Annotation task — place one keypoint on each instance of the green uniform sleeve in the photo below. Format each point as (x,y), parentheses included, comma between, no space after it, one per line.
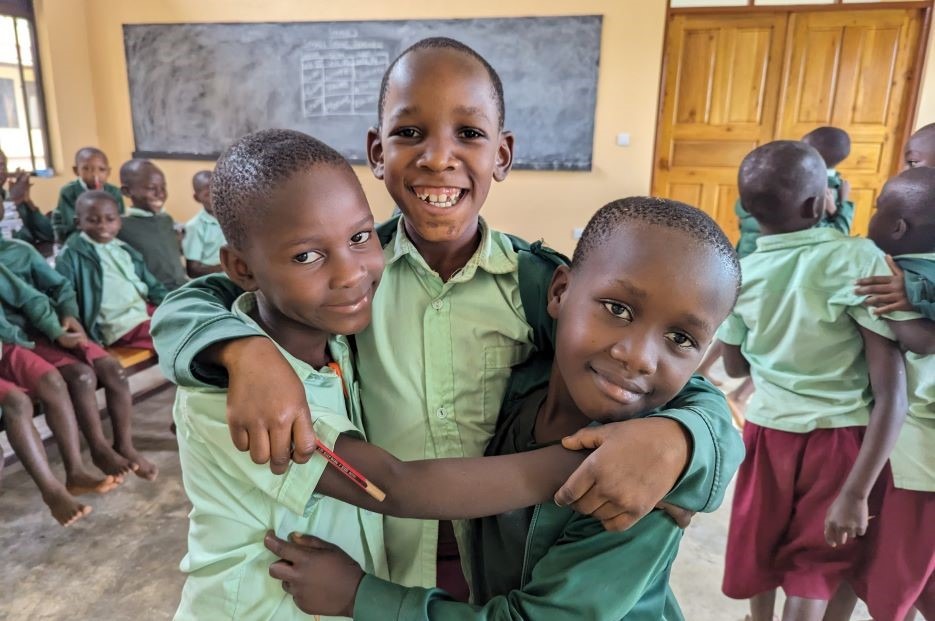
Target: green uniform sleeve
(53,284)
(31,302)
(63,218)
(35,224)
(921,294)
(191,319)
(593,574)
(717,448)
(842,220)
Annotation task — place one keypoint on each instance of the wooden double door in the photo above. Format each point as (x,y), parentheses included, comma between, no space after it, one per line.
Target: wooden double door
(732,82)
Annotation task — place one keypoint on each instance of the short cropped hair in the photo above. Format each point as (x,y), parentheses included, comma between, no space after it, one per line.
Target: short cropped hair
(85,152)
(89,197)
(659,212)
(131,169)
(251,169)
(779,176)
(434,43)
(832,143)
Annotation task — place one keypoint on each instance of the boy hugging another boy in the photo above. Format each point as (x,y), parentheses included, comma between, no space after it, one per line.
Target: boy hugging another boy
(92,170)
(113,286)
(203,238)
(146,226)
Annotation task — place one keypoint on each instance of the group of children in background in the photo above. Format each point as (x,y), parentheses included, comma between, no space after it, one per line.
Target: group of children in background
(111,270)
(329,329)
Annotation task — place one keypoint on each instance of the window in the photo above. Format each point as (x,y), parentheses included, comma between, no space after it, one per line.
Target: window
(23,135)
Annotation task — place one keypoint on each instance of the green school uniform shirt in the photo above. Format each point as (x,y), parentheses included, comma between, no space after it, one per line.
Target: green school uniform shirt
(203,239)
(36,226)
(19,298)
(913,456)
(796,324)
(234,501)
(28,265)
(434,366)
(545,562)
(840,221)
(63,217)
(153,235)
(123,294)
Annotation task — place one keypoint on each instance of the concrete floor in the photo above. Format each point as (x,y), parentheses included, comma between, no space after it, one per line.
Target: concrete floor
(121,562)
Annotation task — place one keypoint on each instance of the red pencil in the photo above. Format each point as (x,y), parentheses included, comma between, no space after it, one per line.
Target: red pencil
(347,470)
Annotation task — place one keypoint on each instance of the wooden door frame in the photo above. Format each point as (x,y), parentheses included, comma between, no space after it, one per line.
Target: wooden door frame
(920,57)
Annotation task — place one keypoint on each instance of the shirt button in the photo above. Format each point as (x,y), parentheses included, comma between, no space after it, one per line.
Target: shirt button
(437,304)
(441,413)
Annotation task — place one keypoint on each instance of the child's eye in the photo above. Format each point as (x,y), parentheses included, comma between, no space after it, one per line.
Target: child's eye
(361,238)
(307,258)
(912,163)
(618,310)
(406,132)
(681,340)
(470,133)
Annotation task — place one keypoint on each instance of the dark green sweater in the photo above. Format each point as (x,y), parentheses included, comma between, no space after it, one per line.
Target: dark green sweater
(63,218)
(155,238)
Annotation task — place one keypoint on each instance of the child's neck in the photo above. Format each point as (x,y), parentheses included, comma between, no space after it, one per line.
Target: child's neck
(766,229)
(145,208)
(446,258)
(558,416)
(301,341)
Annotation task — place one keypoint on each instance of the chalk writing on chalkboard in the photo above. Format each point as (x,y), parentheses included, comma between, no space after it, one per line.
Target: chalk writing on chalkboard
(342,76)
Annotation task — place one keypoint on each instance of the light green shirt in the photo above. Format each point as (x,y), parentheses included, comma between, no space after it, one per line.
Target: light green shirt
(123,295)
(796,324)
(436,360)
(139,213)
(203,239)
(234,501)
(913,457)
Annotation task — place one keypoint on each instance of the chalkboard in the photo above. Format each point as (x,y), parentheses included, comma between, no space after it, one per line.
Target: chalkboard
(195,88)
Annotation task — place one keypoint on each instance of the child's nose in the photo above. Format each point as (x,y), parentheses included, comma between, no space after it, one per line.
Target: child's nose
(347,274)
(438,155)
(637,354)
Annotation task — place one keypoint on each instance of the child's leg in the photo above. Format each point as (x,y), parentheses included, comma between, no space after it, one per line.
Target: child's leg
(842,604)
(138,337)
(801,609)
(26,443)
(762,606)
(120,407)
(713,354)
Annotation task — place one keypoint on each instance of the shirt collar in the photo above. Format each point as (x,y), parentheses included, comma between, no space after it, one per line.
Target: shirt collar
(807,237)
(245,306)
(204,215)
(494,253)
(112,244)
(831,173)
(925,256)
(84,186)
(139,213)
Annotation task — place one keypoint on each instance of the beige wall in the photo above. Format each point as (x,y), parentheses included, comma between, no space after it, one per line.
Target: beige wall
(81,48)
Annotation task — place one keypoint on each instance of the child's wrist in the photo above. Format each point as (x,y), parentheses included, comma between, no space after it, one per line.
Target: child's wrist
(239,352)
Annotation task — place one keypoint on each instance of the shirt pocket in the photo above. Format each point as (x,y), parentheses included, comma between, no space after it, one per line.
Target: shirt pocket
(499,361)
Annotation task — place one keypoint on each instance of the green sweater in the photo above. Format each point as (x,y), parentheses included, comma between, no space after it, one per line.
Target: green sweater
(548,562)
(155,238)
(919,275)
(18,297)
(80,264)
(63,218)
(36,226)
(750,228)
(28,265)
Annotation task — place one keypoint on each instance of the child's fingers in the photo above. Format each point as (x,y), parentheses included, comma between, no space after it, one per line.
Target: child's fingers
(585,439)
(875,289)
(889,308)
(311,541)
(240,437)
(578,484)
(303,439)
(873,280)
(259,444)
(282,570)
(280,449)
(892,263)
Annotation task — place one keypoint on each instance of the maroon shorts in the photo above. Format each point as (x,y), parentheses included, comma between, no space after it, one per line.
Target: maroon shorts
(784,488)
(61,357)
(449,575)
(899,562)
(138,337)
(21,369)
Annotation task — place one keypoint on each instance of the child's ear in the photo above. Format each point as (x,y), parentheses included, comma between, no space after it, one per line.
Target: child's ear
(557,289)
(900,228)
(237,268)
(504,156)
(74,169)
(813,208)
(375,152)
(125,190)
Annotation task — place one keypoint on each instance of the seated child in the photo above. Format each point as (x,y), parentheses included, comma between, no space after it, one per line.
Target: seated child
(900,569)
(203,238)
(114,288)
(91,169)
(920,149)
(82,364)
(23,375)
(146,226)
(834,145)
(649,282)
(310,254)
(36,226)
(823,366)
(463,304)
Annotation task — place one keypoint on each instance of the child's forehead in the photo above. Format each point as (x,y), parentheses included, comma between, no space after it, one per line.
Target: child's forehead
(97,206)
(93,159)
(438,69)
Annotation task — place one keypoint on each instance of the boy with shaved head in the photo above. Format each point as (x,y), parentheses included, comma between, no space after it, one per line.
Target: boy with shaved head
(91,171)
(146,226)
(203,238)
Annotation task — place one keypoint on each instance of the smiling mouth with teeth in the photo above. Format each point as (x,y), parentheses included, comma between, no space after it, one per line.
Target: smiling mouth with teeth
(439,197)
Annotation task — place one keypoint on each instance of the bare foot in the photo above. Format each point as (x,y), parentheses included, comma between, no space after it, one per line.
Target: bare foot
(111,462)
(78,483)
(144,469)
(65,509)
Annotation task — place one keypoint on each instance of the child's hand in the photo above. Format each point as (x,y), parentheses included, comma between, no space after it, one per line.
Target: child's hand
(321,578)
(682,517)
(71,324)
(847,519)
(267,410)
(19,187)
(71,340)
(635,465)
(886,294)
(831,208)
